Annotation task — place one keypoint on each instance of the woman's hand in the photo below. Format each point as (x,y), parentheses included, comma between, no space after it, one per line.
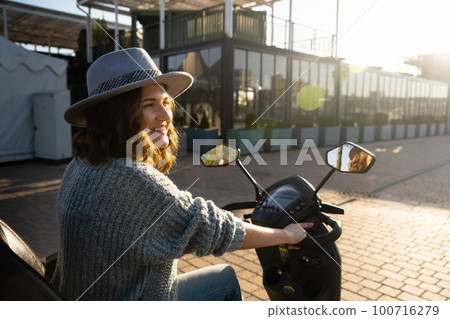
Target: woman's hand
(295,233)
(258,237)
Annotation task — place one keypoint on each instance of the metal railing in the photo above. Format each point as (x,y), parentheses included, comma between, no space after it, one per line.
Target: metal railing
(249,25)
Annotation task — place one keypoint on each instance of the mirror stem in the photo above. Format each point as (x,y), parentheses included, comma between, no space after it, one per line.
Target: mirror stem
(250,177)
(325,179)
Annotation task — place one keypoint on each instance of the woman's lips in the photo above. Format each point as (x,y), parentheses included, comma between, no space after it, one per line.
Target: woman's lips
(160,129)
(159,136)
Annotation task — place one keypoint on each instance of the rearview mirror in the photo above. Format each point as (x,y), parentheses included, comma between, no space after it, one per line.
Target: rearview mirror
(350,158)
(220,155)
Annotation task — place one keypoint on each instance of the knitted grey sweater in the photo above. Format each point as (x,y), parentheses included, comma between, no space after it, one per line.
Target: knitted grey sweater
(133,223)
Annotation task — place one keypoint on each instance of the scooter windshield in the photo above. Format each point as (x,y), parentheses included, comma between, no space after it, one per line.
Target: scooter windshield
(283,197)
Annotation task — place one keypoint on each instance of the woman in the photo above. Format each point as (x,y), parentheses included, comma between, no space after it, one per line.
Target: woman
(122,222)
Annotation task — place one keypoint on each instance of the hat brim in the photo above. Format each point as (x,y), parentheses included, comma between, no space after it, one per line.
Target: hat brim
(175,83)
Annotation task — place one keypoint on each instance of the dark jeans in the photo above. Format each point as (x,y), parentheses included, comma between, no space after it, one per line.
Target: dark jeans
(213,283)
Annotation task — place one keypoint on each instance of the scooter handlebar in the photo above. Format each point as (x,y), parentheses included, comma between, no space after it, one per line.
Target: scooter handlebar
(324,239)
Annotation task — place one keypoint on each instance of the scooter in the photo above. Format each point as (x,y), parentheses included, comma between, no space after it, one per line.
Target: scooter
(312,272)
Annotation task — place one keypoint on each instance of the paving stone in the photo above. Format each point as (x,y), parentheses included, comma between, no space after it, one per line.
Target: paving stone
(408,273)
(350,296)
(434,297)
(432,288)
(412,282)
(199,262)
(435,267)
(261,294)
(393,283)
(392,275)
(370,294)
(387,290)
(350,286)
(426,271)
(351,277)
(428,279)
(370,284)
(248,286)
(407,265)
(249,297)
(373,276)
(386,298)
(413,290)
(391,267)
(408,297)
(439,275)
(370,268)
(445,292)
(444,284)
(442,263)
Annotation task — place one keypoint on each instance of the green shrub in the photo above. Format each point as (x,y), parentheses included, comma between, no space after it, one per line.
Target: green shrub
(204,122)
(422,119)
(304,120)
(274,123)
(361,119)
(397,121)
(348,122)
(443,119)
(194,121)
(327,120)
(381,119)
(249,120)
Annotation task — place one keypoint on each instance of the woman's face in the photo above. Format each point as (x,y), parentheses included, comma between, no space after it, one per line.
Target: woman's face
(156,107)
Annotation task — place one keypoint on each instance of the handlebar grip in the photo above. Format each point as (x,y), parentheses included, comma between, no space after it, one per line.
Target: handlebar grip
(324,239)
(332,209)
(240,205)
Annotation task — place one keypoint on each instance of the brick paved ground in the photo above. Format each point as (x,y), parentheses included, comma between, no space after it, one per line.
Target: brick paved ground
(395,243)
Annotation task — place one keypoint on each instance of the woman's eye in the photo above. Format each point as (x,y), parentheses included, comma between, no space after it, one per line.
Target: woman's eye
(148,105)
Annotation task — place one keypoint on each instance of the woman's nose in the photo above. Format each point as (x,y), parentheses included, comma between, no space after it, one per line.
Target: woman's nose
(164,113)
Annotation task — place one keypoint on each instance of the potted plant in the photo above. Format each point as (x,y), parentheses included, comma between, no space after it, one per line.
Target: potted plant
(276,129)
(398,129)
(200,130)
(442,125)
(432,131)
(252,134)
(410,128)
(349,131)
(432,126)
(330,132)
(367,128)
(421,125)
(304,129)
(383,131)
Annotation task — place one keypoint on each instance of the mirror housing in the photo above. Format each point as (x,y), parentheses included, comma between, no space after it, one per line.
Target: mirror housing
(221,155)
(349,157)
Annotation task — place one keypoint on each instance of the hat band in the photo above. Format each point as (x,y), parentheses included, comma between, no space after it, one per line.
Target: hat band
(125,79)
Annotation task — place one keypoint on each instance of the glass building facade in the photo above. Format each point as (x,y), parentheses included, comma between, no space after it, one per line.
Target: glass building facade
(204,97)
(259,78)
(366,92)
(239,79)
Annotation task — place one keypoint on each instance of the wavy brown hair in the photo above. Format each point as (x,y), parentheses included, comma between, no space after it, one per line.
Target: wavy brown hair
(112,123)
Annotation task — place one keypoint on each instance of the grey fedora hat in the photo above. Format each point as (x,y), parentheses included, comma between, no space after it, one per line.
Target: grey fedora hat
(122,71)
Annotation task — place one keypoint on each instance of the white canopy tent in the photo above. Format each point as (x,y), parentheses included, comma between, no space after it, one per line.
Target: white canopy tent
(22,74)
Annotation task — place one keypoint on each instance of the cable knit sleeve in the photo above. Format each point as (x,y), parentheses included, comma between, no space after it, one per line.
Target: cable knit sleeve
(172,222)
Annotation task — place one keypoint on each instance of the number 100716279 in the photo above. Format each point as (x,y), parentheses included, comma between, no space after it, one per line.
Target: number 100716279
(405,310)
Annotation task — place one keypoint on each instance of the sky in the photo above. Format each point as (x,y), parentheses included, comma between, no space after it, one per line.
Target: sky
(370,32)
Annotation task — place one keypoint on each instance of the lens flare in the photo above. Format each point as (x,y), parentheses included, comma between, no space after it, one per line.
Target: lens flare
(357,68)
(310,97)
